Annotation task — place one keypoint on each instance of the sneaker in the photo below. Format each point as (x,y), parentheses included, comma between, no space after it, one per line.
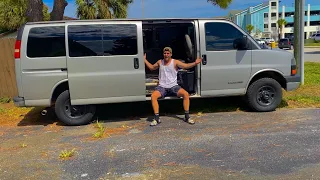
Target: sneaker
(190,121)
(154,122)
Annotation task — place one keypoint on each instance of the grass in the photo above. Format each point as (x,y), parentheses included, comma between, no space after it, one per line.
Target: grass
(307,95)
(23,145)
(312,44)
(66,154)
(100,130)
(4,100)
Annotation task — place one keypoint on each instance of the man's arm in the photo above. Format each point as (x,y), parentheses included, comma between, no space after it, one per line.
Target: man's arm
(152,67)
(188,65)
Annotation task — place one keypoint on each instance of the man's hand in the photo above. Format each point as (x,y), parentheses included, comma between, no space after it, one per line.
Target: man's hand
(145,56)
(198,60)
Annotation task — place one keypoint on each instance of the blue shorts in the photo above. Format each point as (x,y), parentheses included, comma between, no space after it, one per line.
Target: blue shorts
(173,91)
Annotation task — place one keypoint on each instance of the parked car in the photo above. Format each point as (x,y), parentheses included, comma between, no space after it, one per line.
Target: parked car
(267,40)
(77,64)
(285,43)
(261,42)
(315,36)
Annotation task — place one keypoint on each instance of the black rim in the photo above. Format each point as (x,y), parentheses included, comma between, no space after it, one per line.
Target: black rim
(74,112)
(266,95)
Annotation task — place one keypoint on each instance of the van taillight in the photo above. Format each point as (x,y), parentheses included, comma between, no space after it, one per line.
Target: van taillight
(293,70)
(17,49)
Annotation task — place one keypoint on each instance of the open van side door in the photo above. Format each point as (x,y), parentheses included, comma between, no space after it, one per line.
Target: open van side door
(225,70)
(105,62)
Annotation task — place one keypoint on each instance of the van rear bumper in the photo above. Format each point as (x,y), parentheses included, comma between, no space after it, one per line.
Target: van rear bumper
(19,101)
(293,82)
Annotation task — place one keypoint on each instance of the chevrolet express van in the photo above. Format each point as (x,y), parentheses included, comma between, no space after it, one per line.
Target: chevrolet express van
(77,64)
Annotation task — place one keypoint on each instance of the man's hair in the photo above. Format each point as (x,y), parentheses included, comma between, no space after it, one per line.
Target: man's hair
(167,49)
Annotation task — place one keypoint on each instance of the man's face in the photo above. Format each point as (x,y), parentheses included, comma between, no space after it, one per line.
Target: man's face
(166,55)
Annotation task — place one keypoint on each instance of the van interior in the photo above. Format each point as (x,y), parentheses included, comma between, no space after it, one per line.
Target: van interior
(180,36)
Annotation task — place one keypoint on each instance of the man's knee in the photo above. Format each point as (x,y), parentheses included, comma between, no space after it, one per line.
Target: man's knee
(185,95)
(155,95)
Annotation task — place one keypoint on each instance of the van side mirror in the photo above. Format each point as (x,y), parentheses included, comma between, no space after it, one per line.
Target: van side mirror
(241,43)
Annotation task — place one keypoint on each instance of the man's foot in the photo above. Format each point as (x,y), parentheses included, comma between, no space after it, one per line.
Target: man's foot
(189,120)
(155,122)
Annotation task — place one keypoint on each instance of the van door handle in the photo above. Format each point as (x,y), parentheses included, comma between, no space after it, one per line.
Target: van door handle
(204,59)
(136,63)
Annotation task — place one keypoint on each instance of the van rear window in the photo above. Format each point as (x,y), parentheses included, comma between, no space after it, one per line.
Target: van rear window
(46,42)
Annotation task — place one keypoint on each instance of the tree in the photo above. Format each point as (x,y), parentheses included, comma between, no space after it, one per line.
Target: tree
(102,9)
(12,14)
(224,4)
(34,10)
(258,32)
(249,28)
(58,10)
(281,22)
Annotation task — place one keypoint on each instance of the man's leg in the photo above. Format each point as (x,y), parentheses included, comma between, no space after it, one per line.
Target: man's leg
(159,92)
(186,103)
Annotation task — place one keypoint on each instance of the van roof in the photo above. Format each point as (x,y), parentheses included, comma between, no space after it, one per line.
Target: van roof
(137,19)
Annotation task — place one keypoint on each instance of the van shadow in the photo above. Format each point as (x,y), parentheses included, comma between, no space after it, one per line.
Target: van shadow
(34,118)
(136,110)
(170,108)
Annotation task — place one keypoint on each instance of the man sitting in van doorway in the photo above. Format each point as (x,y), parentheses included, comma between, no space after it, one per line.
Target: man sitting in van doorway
(168,83)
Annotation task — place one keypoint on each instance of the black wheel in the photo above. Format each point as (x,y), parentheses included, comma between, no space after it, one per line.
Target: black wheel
(264,95)
(73,115)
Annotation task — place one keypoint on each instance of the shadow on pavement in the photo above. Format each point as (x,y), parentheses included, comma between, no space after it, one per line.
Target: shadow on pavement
(34,117)
(312,52)
(136,110)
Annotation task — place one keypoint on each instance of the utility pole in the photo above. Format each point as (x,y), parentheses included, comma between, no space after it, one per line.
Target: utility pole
(302,13)
(299,36)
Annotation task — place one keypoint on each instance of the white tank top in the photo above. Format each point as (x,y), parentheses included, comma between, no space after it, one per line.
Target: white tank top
(167,75)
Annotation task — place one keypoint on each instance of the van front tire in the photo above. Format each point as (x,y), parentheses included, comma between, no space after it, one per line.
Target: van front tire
(264,95)
(73,115)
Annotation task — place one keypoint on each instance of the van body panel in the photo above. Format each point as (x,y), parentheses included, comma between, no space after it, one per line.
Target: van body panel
(226,69)
(18,75)
(40,74)
(106,78)
(265,59)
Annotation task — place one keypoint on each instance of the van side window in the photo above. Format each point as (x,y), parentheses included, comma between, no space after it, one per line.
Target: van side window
(220,36)
(46,42)
(119,39)
(85,40)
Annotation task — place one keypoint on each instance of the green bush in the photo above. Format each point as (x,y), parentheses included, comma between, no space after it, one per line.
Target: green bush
(309,41)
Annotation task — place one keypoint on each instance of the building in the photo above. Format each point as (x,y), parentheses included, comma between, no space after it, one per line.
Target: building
(264,17)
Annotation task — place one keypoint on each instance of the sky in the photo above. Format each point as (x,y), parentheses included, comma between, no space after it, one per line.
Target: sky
(179,8)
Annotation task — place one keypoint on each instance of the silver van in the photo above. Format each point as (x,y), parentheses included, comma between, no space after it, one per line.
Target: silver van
(75,65)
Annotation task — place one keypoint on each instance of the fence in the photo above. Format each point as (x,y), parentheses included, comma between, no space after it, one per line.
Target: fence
(8,87)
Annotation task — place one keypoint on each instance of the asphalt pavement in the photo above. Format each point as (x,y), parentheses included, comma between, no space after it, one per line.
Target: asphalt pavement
(284,144)
(311,54)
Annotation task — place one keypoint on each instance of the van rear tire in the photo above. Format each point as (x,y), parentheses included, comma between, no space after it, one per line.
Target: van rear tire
(264,95)
(73,115)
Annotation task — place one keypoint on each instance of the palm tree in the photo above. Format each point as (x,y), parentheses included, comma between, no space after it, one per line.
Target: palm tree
(250,28)
(281,22)
(102,9)
(224,4)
